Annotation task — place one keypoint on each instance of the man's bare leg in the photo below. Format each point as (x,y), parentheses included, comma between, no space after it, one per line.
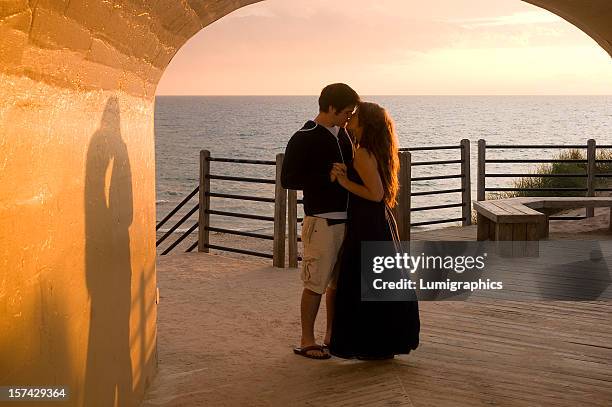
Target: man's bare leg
(330,299)
(309,309)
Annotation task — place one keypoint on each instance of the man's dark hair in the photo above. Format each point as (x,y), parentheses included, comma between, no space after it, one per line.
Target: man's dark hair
(339,96)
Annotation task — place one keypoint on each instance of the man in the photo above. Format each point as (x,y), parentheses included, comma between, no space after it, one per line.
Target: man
(309,158)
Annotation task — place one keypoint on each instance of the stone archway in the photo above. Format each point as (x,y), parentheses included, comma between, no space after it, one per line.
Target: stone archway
(73,74)
(122,45)
(593,19)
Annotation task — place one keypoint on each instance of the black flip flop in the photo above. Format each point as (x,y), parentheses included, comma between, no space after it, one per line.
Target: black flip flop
(304,352)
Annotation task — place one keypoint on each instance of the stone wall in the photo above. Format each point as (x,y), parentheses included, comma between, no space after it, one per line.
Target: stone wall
(77,190)
(594,17)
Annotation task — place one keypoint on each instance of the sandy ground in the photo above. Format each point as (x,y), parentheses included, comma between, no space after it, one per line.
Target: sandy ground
(226,327)
(599,223)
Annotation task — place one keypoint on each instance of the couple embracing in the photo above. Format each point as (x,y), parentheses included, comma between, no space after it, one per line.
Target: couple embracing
(350,184)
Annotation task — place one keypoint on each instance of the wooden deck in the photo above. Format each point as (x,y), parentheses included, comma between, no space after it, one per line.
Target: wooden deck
(226,329)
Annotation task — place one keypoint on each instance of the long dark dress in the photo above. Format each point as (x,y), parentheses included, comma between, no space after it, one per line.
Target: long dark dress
(369,329)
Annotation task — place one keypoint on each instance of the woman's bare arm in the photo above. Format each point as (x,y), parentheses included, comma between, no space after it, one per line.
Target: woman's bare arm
(366,166)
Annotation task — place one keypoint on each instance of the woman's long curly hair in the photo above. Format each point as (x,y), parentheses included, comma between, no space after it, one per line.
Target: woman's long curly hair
(380,139)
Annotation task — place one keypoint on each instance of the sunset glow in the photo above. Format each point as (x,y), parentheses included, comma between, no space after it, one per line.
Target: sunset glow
(390,47)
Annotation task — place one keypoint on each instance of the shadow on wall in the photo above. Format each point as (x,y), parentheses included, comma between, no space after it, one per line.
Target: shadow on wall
(108,216)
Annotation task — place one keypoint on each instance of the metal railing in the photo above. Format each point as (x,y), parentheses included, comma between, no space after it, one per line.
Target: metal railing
(286,203)
(179,223)
(464,188)
(278,218)
(203,225)
(590,172)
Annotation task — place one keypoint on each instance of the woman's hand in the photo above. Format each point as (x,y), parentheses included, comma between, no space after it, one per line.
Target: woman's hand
(340,166)
(339,173)
(366,166)
(332,176)
(337,168)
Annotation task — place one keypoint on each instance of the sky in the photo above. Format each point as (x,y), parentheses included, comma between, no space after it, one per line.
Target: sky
(390,47)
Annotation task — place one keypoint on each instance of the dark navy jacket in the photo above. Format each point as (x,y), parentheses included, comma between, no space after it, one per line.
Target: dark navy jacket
(309,156)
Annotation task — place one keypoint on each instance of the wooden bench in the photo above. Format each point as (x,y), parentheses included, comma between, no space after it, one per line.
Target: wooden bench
(519,218)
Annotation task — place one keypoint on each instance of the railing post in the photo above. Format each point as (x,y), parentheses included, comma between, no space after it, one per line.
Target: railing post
(480,187)
(466,183)
(591,157)
(280,216)
(402,210)
(292,227)
(204,199)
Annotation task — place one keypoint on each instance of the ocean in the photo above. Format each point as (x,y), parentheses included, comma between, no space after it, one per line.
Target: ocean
(258,127)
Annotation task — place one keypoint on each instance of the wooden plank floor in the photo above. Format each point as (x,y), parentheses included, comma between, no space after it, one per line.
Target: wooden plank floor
(226,330)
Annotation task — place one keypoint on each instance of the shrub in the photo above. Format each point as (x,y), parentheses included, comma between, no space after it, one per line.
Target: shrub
(562,182)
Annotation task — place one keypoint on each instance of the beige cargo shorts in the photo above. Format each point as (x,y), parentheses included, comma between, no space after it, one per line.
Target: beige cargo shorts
(322,244)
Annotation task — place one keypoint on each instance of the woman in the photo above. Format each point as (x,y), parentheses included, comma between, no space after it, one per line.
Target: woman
(370,329)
